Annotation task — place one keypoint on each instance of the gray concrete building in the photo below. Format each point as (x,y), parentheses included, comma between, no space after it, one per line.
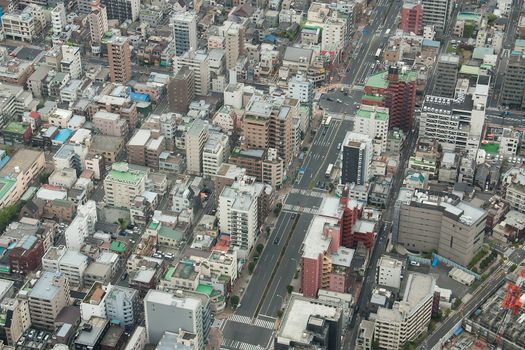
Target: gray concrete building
(512,92)
(446,75)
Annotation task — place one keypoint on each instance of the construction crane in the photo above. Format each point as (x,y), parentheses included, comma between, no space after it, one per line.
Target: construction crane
(512,302)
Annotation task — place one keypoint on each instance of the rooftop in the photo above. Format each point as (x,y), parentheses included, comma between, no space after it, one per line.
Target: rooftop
(46,288)
(373,112)
(23,159)
(121,172)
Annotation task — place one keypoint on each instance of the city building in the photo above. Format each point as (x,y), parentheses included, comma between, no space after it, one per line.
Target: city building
(446,75)
(184,26)
(373,121)
(93,304)
(70,263)
(58,18)
(122,10)
(411,17)
(14,319)
(123,306)
(512,91)
(234,40)
(216,151)
(437,13)
(431,220)
(301,89)
(82,226)
(46,297)
(119,59)
(145,147)
(196,61)
(389,272)
(122,184)
(395,90)
(110,124)
(196,138)
(408,318)
(357,152)
(25,24)
(98,24)
(165,312)
(181,90)
(71,62)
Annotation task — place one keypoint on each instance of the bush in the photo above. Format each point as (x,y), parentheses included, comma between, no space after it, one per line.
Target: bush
(234,301)
(289,289)
(251,267)
(513,267)
(280,313)
(259,248)
(477,258)
(277,209)
(8,214)
(457,303)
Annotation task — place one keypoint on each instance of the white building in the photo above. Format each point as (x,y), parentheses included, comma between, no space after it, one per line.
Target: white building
(196,137)
(408,318)
(373,121)
(301,88)
(81,226)
(24,25)
(71,62)
(197,61)
(58,18)
(71,263)
(333,37)
(184,26)
(123,184)
(94,303)
(216,151)
(389,272)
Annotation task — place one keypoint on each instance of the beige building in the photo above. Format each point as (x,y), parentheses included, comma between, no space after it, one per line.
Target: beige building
(110,124)
(196,137)
(98,23)
(123,184)
(216,151)
(409,318)
(15,316)
(431,220)
(24,25)
(272,169)
(145,147)
(119,58)
(18,173)
(47,297)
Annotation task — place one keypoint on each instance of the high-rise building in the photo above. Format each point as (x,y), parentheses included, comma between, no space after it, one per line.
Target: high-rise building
(181,90)
(431,220)
(82,225)
(197,61)
(437,13)
(145,147)
(122,184)
(58,18)
(409,318)
(165,312)
(123,305)
(184,32)
(512,92)
(446,75)
(411,17)
(302,89)
(122,9)
(233,34)
(216,151)
(357,157)
(47,297)
(71,62)
(395,90)
(98,23)
(196,137)
(119,58)
(373,121)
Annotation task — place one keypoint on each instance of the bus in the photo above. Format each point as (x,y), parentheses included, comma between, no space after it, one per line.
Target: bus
(378,54)
(329,170)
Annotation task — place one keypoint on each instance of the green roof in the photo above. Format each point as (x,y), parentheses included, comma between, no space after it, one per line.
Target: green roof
(119,247)
(169,273)
(372,97)
(6,184)
(368,112)
(469,16)
(153,225)
(204,289)
(490,148)
(380,81)
(170,234)
(469,70)
(15,127)
(121,173)
(29,193)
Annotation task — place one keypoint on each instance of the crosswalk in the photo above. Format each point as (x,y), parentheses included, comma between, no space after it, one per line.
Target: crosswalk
(313,193)
(264,323)
(241,319)
(299,209)
(233,344)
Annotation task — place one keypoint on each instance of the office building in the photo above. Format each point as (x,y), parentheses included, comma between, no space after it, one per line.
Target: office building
(71,62)
(119,59)
(446,75)
(123,306)
(98,24)
(145,147)
(216,151)
(122,9)
(196,61)
(181,90)
(302,89)
(395,90)
(357,152)
(411,17)
(373,121)
(184,32)
(165,312)
(389,272)
(437,13)
(46,297)
(408,318)
(431,220)
(196,137)
(82,225)
(310,323)
(512,92)
(122,184)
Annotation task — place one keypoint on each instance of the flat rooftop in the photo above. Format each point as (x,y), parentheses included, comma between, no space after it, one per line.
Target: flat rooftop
(23,159)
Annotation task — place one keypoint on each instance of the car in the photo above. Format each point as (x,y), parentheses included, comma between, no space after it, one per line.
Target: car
(339,101)
(415,263)
(329,99)
(318,184)
(276,240)
(169,255)
(338,146)
(132,241)
(124,276)
(324,131)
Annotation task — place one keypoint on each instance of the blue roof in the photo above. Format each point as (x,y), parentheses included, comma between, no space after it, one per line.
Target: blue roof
(431,43)
(271,38)
(63,135)
(136,96)
(4,161)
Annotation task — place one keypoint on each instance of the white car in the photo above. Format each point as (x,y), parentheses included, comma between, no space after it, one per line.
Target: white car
(414,263)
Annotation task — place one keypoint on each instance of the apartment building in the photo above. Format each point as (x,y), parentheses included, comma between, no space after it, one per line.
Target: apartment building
(110,124)
(373,121)
(15,177)
(437,13)
(98,23)
(25,24)
(431,220)
(145,147)
(181,90)
(71,263)
(122,9)
(119,59)
(195,139)
(82,225)
(165,312)
(408,318)
(389,272)
(196,61)
(93,304)
(14,318)
(123,305)
(512,92)
(58,18)
(71,62)
(122,184)
(46,297)
(411,17)
(446,75)
(357,152)
(216,151)
(184,26)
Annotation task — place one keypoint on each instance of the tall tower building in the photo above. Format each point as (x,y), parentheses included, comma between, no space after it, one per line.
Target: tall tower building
(119,58)
(357,157)
(184,32)
(411,17)
(512,93)
(196,137)
(437,13)
(197,61)
(181,90)
(233,43)
(446,75)
(58,18)
(98,23)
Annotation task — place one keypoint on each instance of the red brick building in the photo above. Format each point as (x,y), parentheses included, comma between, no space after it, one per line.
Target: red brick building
(395,90)
(27,255)
(411,17)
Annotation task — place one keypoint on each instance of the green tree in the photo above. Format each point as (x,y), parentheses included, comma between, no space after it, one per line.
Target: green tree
(513,267)
(280,313)
(457,303)
(122,223)
(277,209)
(492,18)
(8,214)
(43,177)
(234,301)
(251,267)
(259,248)
(375,344)
(289,289)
